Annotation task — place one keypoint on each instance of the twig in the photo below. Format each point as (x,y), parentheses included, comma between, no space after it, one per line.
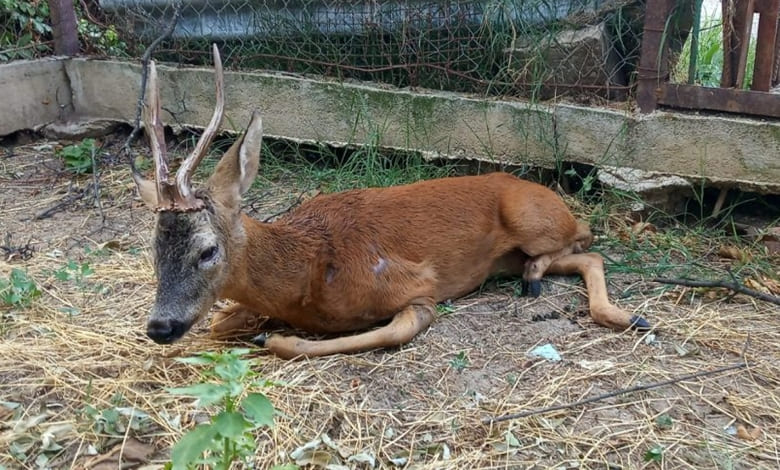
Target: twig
(734,286)
(144,77)
(623,391)
(13,252)
(62,204)
(96,187)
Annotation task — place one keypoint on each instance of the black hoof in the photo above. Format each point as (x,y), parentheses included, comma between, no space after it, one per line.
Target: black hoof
(523,288)
(534,288)
(259,340)
(639,323)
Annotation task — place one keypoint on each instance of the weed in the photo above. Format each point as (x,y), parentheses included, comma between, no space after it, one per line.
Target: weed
(460,361)
(664,421)
(654,454)
(101,40)
(332,169)
(19,290)
(445,308)
(73,271)
(710,57)
(228,436)
(23,27)
(78,157)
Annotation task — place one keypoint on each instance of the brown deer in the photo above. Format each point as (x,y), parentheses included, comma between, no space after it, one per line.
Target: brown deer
(347,261)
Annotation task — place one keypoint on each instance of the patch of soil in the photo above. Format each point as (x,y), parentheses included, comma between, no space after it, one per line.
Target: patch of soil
(81,347)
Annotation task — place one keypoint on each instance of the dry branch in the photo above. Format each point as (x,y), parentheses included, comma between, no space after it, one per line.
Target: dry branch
(144,76)
(731,285)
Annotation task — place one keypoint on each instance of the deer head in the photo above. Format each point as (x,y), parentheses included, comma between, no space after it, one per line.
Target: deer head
(197,230)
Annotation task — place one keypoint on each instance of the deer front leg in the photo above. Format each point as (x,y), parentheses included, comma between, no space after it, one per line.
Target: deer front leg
(235,321)
(404,326)
(591,267)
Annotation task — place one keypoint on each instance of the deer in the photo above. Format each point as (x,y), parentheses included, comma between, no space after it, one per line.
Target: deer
(365,267)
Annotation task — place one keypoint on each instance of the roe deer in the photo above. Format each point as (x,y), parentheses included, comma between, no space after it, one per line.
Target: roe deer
(347,261)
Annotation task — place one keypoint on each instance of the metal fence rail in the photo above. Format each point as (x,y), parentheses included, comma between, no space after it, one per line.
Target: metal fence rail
(733,95)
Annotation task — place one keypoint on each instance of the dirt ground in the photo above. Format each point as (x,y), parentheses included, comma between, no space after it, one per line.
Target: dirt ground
(79,351)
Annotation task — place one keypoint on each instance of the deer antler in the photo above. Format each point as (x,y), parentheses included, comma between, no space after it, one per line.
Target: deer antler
(179,196)
(184,175)
(156,134)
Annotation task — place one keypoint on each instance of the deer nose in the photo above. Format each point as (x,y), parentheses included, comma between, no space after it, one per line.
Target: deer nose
(165,331)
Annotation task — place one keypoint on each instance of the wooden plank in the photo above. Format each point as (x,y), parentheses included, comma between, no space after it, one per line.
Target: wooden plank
(652,62)
(720,99)
(765,43)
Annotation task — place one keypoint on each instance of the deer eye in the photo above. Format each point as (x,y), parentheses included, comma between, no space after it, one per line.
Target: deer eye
(208,254)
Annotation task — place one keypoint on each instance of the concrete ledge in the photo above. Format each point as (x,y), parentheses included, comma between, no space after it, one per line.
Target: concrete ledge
(34,92)
(725,150)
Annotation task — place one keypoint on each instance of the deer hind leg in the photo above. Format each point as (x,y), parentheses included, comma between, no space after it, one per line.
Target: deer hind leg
(535,268)
(403,327)
(591,267)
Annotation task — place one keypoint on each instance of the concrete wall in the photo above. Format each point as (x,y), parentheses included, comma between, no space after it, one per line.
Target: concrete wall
(33,93)
(742,152)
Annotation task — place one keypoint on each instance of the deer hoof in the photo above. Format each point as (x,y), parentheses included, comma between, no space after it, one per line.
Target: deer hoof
(531,288)
(638,323)
(260,339)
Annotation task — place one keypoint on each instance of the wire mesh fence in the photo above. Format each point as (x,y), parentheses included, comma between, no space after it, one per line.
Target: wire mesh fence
(530,48)
(536,48)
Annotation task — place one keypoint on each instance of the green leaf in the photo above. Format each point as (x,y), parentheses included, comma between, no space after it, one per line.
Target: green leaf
(258,409)
(664,421)
(656,454)
(230,424)
(206,394)
(191,446)
(286,466)
(195,360)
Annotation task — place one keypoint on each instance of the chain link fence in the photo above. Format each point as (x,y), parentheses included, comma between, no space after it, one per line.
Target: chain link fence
(532,48)
(537,49)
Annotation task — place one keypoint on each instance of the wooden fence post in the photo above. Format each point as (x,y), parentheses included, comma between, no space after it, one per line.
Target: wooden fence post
(652,62)
(64,28)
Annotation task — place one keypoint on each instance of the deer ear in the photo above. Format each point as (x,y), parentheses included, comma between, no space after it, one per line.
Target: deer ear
(237,169)
(147,189)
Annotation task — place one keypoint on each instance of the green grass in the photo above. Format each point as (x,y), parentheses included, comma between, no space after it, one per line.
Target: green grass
(710,57)
(684,245)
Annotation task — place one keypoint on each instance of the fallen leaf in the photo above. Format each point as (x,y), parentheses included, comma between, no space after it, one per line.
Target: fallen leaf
(746,435)
(363,457)
(131,451)
(315,458)
(756,285)
(641,227)
(732,252)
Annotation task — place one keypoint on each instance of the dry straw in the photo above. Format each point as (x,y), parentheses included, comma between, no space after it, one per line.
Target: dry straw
(82,344)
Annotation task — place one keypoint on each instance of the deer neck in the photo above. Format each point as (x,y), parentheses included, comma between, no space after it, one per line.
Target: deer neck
(266,260)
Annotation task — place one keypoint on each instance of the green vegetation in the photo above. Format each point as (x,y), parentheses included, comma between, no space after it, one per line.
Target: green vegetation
(26,33)
(710,57)
(19,290)
(333,170)
(78,158)
(655,454)
(460,361)
(24,28)
(228,436)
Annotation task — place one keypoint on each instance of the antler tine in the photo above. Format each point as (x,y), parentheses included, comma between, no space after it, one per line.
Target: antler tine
(156,134)
(184,175)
